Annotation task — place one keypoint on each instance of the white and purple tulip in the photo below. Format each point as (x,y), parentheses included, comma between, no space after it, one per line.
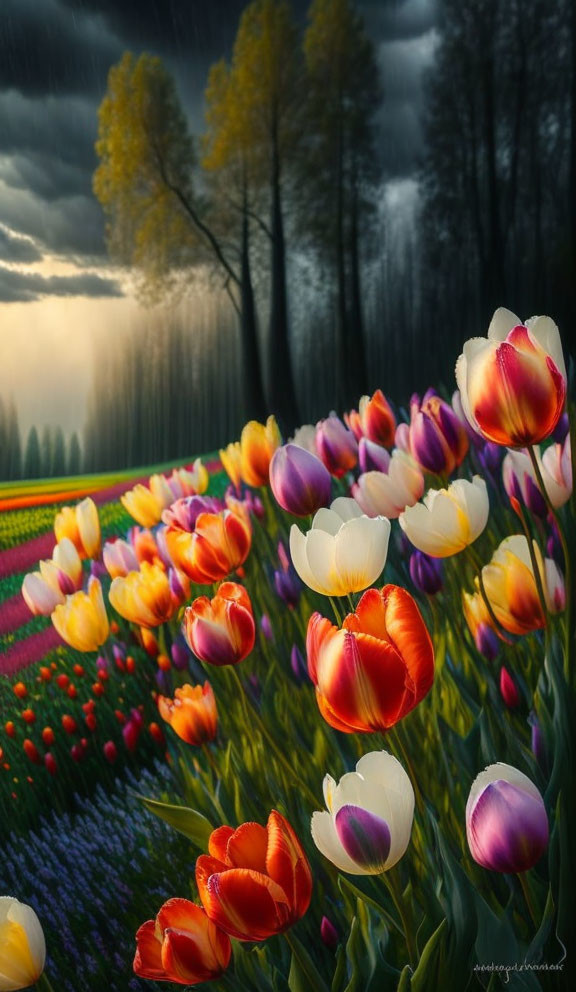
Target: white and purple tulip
(506,820)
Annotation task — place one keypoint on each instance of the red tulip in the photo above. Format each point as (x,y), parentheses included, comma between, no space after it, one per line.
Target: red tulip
(219,543)
(181,945)
(221,631)
(377,668)
(110,751)
(256,881)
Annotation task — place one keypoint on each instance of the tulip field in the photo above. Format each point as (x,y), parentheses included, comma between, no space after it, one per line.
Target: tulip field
(300,715)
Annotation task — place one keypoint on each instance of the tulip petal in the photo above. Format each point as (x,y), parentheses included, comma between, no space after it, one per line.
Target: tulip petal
(364,836)
(329,844)
(360,552)
(148,957)
(246,847)
(507,828)
(218,842)
(287,864)
(246,904)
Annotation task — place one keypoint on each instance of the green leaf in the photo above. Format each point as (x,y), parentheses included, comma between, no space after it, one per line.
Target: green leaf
(303,968)
(429,971)
(187,821)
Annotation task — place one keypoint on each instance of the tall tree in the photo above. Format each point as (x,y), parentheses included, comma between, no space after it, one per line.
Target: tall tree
(74,464)
(158,222)
(58,454)
(46,453)
(263,93)
(32,465)
(341,165)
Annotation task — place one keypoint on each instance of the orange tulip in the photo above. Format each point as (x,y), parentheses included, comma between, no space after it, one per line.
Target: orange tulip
(377,668)
(375,420)
(181,945)
(192,713)
(256,881)
(219,543)
(221,631)
(513,383)
(20,690)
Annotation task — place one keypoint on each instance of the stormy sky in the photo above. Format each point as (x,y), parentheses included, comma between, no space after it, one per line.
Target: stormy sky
(54,58)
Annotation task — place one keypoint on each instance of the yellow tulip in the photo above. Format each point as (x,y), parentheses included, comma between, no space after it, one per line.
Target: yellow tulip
(143,505)
(81,621)
(22,945)
(143,597)
(81,525)
(231,458)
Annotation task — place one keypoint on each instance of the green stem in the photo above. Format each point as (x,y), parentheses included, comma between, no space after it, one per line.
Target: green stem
(528,897)
(44,983)
(337,615)
(252,715)
(391,880)
(535,569)
(567,563)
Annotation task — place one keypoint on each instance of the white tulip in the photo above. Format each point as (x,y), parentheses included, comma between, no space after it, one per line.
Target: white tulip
(369,820)
(388,493)
(344,551)
(448,520)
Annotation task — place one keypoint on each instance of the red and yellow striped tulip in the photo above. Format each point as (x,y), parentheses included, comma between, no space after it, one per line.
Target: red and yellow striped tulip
(81,525)
(192,713)
(374,420)
(256,881)
(511,587)
(218,545)
(181,945)
(221,631)
(81,621)
(371,673)
(513,383)
(258,442)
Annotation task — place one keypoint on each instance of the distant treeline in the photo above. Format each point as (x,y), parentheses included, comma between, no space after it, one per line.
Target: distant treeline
(43,455)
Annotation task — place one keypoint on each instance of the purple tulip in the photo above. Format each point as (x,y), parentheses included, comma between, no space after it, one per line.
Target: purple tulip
(365,837)
(506,821)
(300,482)
(490,457)
(426,573)
(520,483)
(101,661)
(553,545)
(487,641)
(98,570)
(372,457)
(329,934)
(337,446)
(266,627)
(438,441)
(298,665)
(561,429)
(185,512)
(180,655)
(288,587)
(537,741)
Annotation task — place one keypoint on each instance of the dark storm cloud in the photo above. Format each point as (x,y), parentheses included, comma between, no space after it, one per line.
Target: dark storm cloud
(54,60)
(24,287)
(16,249)
(45,49)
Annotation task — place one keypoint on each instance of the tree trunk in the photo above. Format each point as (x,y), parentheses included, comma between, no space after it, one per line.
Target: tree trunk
(281,393)
(356,346)
(254,400)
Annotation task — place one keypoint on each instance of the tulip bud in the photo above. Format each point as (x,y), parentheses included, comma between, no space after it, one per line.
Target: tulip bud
(509,689)
(266,627)
(180,656)
(31,752)
(337,446)
(506,821)
(490,457)
(487,641)
(329,934)
(110,752)
(438,440)
(22,947)
(297,664)
(50,763)
(132,729)
(288,586)
(426,572)
(300,482)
